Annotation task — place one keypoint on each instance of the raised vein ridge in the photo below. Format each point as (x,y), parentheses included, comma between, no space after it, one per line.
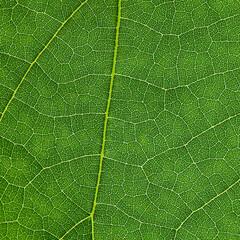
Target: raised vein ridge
(91,216)
(106,116)
(38,56)
(204,205)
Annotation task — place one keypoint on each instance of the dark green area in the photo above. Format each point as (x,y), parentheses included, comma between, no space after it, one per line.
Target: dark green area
(171,166)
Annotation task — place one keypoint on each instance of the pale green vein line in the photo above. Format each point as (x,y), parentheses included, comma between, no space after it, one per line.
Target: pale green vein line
(106,116)
(74,227)
(12,56)
(104,129)
(35,60)
(213,126)
(57,164)
(204,205)
(194,137)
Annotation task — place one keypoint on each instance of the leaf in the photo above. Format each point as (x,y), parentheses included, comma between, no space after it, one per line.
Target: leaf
(119,119)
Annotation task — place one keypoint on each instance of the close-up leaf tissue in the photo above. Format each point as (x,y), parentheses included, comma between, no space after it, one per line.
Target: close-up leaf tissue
(119,119)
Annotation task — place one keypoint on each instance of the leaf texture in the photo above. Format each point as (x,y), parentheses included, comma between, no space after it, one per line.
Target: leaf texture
(119,119)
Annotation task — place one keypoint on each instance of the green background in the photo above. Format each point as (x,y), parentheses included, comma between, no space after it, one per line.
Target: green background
(171,166)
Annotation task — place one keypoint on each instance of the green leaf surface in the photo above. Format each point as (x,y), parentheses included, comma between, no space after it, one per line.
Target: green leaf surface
(119,119)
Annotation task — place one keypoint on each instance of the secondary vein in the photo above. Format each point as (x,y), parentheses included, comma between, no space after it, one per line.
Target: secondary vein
(106,116)
(74,227)
(204,205)
(35,60)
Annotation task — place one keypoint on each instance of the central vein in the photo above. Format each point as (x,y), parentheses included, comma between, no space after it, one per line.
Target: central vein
(106,117)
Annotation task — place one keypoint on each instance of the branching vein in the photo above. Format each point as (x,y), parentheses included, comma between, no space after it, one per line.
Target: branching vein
(198,209)
(104,130)
(38,56)
(106,116)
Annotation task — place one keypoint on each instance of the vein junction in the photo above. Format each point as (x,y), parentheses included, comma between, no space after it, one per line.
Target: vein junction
(91,216)
(38,56)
